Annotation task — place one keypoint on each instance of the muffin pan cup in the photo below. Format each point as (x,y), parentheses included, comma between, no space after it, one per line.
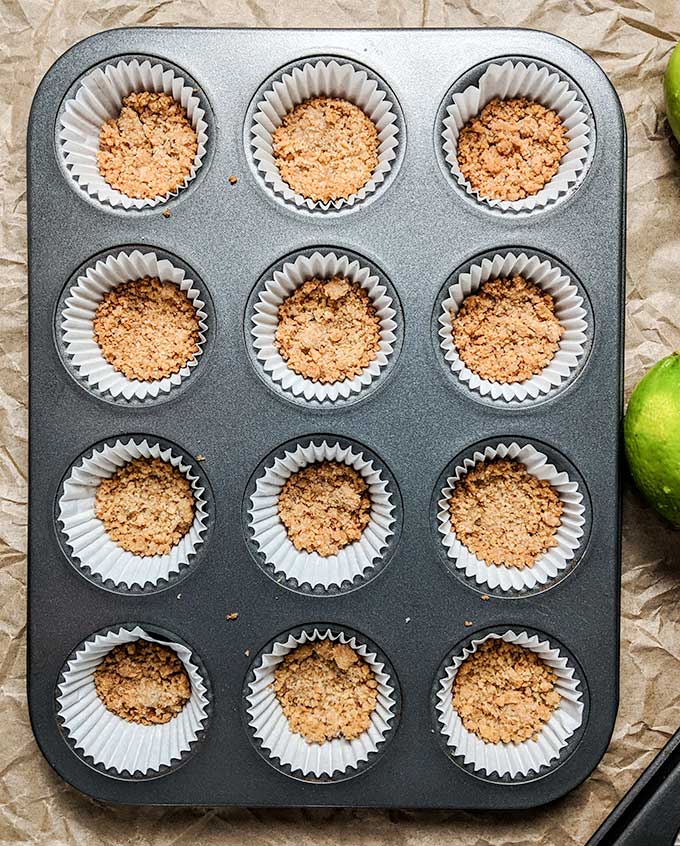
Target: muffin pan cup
(416,421)
(127,749)
(99,98)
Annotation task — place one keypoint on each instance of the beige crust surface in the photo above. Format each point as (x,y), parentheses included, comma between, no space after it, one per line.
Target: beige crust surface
(504,693)
(503,514)
(326,691)
(142,682)
(511,149)
(149,149)
(325,507)
(147,506)
(326,148)
(508,330)
(147,329)
(328,330)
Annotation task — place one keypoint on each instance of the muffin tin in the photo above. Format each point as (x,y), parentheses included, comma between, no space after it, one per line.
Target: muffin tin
(416,232)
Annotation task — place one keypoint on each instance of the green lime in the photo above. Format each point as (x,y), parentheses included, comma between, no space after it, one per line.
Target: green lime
(671,87)
(651,431)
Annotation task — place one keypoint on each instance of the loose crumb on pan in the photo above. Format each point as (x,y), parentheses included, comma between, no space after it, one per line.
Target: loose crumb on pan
(504,514)
(508,330)
(324,507)
(326,148)
(147,506)
(504,693)
(326,690)
(512,149)
(149,149)
(142,682)
(328,330)
(146,329)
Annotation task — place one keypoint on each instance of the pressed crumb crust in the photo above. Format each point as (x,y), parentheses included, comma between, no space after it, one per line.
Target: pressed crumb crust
(512,149)
(508,331)
(324,507)
(146,329)
(326,148)
(149,149)
(142,682)
(504,514)
(328,330)
(326,690)
(147,506)
(504,693)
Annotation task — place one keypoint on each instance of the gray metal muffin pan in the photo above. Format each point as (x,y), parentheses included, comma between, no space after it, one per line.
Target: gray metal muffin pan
(417,229)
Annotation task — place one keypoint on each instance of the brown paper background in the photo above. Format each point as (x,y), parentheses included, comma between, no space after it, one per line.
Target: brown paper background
(631,40)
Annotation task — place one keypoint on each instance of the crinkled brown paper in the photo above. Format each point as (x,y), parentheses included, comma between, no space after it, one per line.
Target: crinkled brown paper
(632,41)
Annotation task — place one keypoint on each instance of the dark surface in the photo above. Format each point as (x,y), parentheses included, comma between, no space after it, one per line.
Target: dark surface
(650,812)
(417,231)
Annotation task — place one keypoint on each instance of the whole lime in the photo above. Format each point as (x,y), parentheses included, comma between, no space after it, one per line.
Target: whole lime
(671,87)
(651,431)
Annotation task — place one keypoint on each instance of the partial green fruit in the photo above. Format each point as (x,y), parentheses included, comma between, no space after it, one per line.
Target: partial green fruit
(651,432)
(671,87)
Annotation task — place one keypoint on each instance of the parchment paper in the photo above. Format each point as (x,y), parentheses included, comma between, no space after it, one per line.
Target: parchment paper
(631,40)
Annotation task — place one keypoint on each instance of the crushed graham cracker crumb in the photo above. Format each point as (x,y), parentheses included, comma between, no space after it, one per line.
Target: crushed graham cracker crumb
(328,330)
(504,514)
(512,149)
(233,180)
(149,149)
(326,148)
(142,682)
(166,213)
(508,330)
(146,329)
(325,507)
(485,597)
(504,693)
(147,506)
(326,690)
(233,615)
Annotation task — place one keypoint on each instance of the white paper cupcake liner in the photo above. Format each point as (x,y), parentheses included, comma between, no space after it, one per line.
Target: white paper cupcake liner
(84,532)
(78,316)
(510,759)
(323,79)
(270,726)
(265,323)
(108,739)
(99,98)
(310,568)
(568,309)
(517,79)
(548,565)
